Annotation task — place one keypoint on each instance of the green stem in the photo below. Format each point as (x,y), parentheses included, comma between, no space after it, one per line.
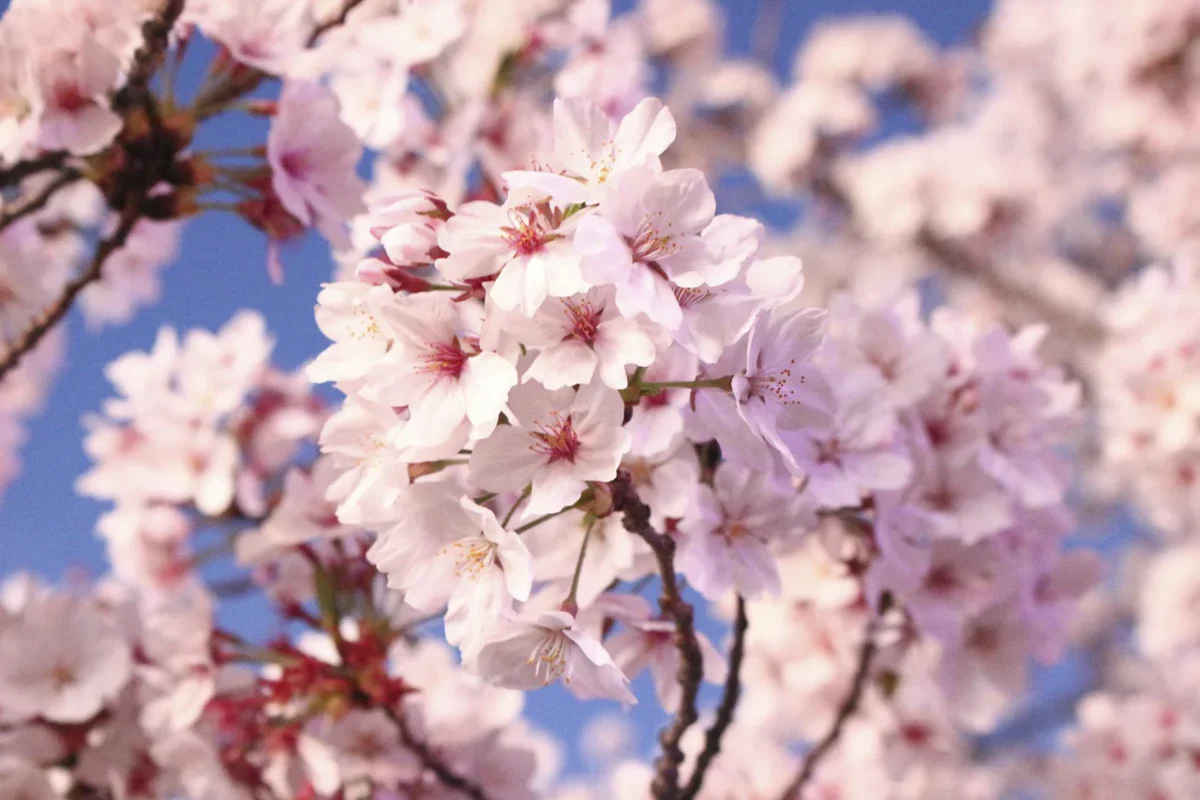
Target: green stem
(508,517)
(541,519)
(570,603)
(725,383)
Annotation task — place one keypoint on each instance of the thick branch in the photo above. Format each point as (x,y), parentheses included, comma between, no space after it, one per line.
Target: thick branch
(729,701)
(449,778)
(19,211)
(691,664)
(858,687)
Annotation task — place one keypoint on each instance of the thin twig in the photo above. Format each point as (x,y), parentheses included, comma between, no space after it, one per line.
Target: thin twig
(11,176)
(333,22)
(41,324)
(430,760)
(19,211)
(858,687)
(729,701)
(636,519)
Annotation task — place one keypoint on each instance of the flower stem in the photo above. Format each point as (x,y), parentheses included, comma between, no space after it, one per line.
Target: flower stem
(541,519)
(508,517)
(569,604)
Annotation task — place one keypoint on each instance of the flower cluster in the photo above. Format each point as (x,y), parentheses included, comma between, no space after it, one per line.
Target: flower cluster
(500,349)
(565,380)
(1148,395)
(200,430)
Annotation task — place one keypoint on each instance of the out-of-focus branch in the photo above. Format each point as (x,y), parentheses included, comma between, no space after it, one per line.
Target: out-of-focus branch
(1021,293)
(334,21)
(20,210)
(729,701)
(430,760)
(45,321)
(11,176)
(1024,292)
(155,38)
(858,687)
(636,519)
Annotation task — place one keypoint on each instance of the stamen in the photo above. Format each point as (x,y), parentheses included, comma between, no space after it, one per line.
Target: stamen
(653,240)
(444,359)
(558,440)
(690,297)
(527,233)
(585,320)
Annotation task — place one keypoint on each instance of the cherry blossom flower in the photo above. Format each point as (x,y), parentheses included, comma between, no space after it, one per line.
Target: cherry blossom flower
(645,241)
(61,660)
(648,643)
(526,246)
(557,442)
(581,337)
(349,313)
(439,374)
(729,535)
(313,157)
(533,653)
(443,549)
(590,149)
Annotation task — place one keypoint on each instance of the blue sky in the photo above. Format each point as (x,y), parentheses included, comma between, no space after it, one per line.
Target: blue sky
(45,527)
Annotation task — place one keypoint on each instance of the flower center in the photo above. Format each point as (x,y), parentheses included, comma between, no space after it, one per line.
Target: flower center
(444,360)
(584,319)
(549,659)
(527,234)
(654,240)
(733,531)
(557,440)
(295,164)
(68,97)
(778,385)
(472,557)
(62,676)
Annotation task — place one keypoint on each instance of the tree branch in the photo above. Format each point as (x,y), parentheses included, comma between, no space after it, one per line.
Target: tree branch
(858,687)
(431,761)
(729,701)
(691,662)
(333,22)
(41,324)
(65,177)
(156,34)
(21,170)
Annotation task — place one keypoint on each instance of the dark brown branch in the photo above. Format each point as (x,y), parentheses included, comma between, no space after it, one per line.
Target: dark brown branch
(155,38)
(729,701)
(334,21)
(19,211)
(858,687)
(45,321)
(11,176)
(691,661)
(430,760)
